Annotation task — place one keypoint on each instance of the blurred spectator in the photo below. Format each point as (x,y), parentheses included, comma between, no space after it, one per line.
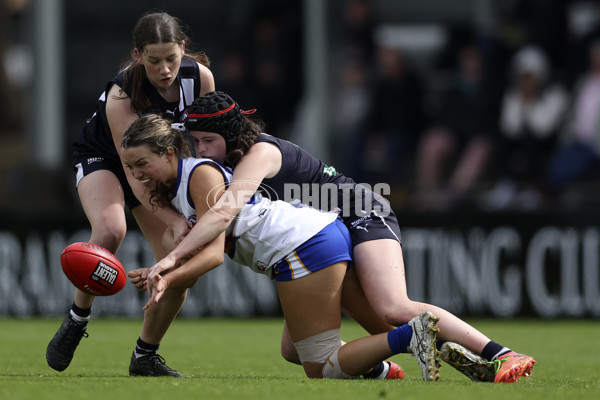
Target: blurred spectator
(583,30)
(350,101)
(232,76)
(454,152)
(358,29)
(276,63)
(532,113)
(11,12)
(351,66)
(578,155)
(395,118)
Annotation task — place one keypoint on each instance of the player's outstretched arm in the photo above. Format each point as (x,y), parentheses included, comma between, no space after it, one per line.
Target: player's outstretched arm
(186,275)
(262,161)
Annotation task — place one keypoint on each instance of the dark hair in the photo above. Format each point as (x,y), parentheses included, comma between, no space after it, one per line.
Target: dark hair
(217,112)
(156,132)
(251,131)
(153,28)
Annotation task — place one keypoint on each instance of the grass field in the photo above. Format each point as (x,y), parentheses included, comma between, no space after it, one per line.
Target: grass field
(239,359)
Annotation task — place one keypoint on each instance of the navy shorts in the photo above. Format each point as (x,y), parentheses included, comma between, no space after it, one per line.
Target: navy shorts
(86,165)
(373,227)
(331,245)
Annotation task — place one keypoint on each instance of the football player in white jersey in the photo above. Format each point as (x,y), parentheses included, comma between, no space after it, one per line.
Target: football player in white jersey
(306,251)
(222,132)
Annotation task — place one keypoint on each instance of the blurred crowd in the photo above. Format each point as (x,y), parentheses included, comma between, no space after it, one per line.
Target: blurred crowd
(502,116)
(507,118)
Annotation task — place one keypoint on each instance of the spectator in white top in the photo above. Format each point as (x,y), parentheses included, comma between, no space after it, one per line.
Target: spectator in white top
(532,113)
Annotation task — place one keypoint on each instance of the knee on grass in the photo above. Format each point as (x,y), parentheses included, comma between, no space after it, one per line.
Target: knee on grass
(319,355)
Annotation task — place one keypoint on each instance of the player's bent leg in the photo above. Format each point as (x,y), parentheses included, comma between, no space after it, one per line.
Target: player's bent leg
(383,370)
(380,268)
(379,276)
(102,202)
(288,350)
(377,348)
(311,306)
(417,337)
(153,230)
(315,352)
(357,307)
(358,355)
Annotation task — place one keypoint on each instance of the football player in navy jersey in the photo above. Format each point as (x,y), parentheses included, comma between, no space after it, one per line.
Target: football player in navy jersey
(160,77)
(263,162)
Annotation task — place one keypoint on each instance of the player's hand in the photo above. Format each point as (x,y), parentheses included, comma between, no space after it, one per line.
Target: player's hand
(156,288)
(138,278)
(162,267)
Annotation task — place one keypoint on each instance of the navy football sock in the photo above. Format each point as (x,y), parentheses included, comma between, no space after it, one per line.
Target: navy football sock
(80,314)
(376,371)
(493,350)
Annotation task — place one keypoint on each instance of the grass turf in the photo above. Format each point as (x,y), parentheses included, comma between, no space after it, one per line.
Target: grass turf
(239,359)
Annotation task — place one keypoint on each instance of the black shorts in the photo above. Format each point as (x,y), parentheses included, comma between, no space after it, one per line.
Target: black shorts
(372,227)
(86,165)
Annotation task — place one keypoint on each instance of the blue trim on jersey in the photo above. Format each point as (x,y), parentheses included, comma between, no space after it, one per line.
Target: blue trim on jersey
(187,193)
(179,168)
(256,197)
(222,169)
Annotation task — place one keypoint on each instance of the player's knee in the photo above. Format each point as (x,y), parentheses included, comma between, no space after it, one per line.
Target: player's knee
(321,349)
(288,352)
(396,313)
(109,236)
(395,319)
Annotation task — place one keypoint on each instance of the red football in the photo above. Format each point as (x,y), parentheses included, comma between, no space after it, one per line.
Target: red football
(93,269)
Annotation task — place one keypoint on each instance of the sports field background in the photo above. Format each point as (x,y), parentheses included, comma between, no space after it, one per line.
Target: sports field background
(239,359)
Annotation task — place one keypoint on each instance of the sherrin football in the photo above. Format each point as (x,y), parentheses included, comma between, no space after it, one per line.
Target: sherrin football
(93,269)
